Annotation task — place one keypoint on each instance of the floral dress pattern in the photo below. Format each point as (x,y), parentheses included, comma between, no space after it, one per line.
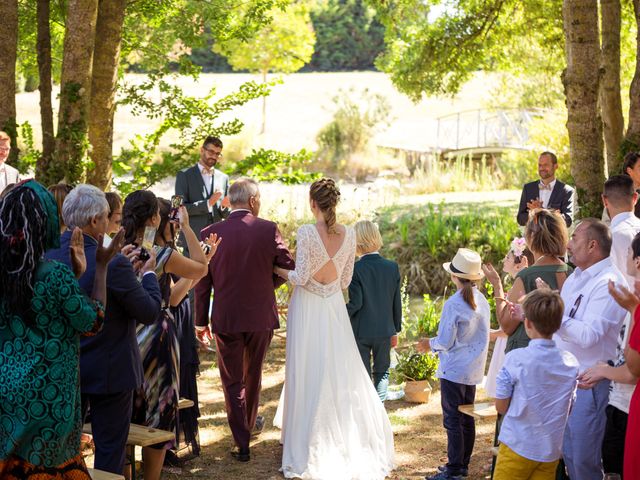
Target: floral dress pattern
(40,422)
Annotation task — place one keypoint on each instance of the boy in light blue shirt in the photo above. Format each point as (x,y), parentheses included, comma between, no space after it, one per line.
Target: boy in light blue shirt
(535,391)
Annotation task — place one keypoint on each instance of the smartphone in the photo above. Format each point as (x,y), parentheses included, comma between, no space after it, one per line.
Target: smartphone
(176,203)
(147,243)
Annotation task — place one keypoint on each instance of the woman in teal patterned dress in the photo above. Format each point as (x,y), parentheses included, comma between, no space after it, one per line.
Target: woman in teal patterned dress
(156,405)
(43,312)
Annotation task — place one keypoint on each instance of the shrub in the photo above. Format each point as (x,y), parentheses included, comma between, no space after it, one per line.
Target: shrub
(422,238)
(355,122)
(416,366)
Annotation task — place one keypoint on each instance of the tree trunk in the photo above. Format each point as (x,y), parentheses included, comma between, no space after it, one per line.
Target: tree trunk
(8,55)
(43,47)
(632,137)
(580,79)
(106,58)
(75,93)
(610,101)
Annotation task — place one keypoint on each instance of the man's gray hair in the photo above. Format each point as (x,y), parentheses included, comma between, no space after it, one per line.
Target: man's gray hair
(82,204)
(241,190)
(599,231)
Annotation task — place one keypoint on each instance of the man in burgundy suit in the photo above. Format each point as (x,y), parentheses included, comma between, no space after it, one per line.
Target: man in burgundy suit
(244,310)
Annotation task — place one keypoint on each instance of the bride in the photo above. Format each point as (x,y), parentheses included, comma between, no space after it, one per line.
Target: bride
(333,423)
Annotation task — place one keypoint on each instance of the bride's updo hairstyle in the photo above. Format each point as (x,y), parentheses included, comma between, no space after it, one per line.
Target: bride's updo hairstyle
(326,195)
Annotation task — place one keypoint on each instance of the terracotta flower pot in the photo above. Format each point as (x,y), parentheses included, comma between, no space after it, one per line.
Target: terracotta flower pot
(417,391)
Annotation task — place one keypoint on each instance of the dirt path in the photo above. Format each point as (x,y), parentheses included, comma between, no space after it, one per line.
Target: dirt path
(420,441)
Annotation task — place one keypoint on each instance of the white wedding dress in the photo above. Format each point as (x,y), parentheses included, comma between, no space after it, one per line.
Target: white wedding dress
(334,425)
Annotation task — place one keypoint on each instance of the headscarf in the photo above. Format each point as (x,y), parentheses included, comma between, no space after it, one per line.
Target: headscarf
(48,202)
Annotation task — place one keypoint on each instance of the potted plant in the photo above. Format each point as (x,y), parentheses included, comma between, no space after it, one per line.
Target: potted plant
(418,371)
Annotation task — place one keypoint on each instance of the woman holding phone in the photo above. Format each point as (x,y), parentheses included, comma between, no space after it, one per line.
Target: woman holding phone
(156,403)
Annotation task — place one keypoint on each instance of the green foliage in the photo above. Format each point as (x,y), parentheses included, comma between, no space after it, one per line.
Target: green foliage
(434,47)
(348,36)
(356,119)
(415,366)
(189,117)
(273,166)
(422,238)
(284,45)
(28,153)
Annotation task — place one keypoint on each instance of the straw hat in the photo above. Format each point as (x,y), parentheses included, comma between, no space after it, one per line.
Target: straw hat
(466,264)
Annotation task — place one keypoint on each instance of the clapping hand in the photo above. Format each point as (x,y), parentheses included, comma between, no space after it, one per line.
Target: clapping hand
(76,253)
(104,255)
(541,284)
(491,274)
(624,297)
(214,198)
(516,312)
(213,241)
(533,204)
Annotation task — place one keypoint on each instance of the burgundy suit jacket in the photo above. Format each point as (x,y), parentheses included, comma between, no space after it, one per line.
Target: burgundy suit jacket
(241,275)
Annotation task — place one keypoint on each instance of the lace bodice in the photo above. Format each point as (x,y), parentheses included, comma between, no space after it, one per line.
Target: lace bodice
(311,256)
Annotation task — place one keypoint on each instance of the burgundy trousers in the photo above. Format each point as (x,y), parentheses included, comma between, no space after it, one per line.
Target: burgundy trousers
(240,358)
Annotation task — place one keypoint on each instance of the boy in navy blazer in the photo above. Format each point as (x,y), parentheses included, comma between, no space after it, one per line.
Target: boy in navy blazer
(375,305)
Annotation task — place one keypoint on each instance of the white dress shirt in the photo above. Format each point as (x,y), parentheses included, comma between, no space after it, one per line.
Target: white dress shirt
(207,179)
(592,318)
(545,195)
(541,382)
(624,228)
(8,175)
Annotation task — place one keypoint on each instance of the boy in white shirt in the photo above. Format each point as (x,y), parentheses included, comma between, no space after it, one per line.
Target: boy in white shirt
(535,390)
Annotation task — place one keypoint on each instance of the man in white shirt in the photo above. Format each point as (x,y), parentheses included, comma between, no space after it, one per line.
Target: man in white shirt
(590,327)
(548,192)
(8,174)
(619,198)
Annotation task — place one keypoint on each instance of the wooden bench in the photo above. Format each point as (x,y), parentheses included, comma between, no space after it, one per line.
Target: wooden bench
(102,475)
(141,436)
(479,410)
(185,403)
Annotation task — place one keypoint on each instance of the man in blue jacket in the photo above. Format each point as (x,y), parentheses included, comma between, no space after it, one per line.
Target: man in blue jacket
(375,304)
(110,364)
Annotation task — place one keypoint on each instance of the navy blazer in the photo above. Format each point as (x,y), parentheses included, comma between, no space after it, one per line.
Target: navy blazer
(561,199)
(110,361)
(375,303)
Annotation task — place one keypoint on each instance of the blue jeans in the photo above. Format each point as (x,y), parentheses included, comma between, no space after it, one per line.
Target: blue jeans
(381,349)
(461,428)
(582,445)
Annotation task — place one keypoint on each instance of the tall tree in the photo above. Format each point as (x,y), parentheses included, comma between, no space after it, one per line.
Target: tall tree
(610,100)
(282,46)
(8,56)
(43,47)
(584,123)
(106,59)
(75,93)
(632,136)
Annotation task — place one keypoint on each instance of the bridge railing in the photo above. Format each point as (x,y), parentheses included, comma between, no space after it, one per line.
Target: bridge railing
(487,128)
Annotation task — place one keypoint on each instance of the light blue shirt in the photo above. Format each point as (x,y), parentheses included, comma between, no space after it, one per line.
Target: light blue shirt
(463,339)
(541,381)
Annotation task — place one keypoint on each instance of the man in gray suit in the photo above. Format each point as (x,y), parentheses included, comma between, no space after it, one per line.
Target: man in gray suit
(548,192)
(204,188)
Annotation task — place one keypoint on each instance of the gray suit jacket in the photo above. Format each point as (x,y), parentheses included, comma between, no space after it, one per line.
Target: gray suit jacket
(8,175)
(190,185)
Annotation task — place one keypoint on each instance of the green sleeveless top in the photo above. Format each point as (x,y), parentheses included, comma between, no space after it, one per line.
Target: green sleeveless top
(519,338)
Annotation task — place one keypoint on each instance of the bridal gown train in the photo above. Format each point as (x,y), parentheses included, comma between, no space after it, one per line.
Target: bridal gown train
(334,425)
